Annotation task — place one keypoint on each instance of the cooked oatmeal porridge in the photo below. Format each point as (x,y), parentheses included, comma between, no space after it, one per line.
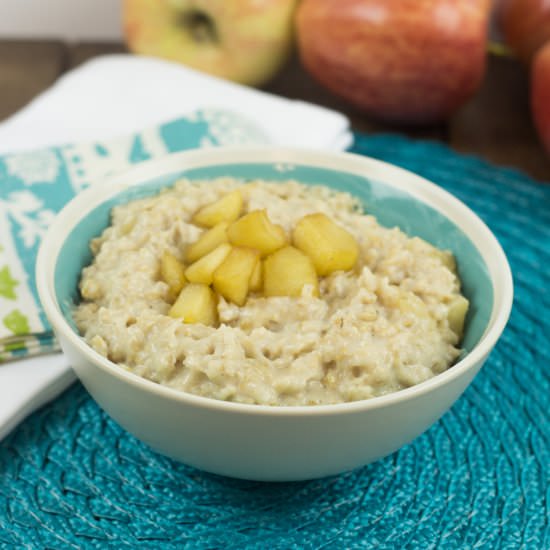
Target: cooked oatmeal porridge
(390,320)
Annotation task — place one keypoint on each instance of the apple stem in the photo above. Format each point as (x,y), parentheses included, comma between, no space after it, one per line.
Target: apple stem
(200,26)
(499,49)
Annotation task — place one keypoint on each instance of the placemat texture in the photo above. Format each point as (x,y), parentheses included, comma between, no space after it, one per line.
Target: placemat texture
(480,478)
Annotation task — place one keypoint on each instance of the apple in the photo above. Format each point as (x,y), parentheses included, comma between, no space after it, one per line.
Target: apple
(540,94)
(242,40)
(407,61)
(525,25)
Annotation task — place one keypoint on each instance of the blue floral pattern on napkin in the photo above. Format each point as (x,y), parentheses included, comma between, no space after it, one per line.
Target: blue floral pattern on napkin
(37,184)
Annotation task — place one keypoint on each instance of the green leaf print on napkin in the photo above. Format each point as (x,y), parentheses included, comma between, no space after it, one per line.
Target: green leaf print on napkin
(7,283)
(16,322)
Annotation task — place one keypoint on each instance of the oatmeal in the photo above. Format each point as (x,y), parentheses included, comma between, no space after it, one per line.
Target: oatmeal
(387,318)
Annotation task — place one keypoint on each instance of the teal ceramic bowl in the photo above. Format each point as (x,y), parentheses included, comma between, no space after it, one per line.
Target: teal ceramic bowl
(279,443)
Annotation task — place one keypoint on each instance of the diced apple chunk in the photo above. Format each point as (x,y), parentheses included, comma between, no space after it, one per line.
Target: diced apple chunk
(330,247)
(172,273)
(226,209)
(196,303)
(203,269)
(456,314)
(256,279)
(232,278)
(287,271)
(255,230)
(207,242)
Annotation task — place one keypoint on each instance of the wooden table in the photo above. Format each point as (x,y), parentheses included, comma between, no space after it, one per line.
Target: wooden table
(495,124)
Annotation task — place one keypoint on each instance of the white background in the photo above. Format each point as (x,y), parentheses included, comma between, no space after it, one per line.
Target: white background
(67,19)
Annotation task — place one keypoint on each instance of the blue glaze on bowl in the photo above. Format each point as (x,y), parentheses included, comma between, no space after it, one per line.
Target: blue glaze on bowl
(392,207)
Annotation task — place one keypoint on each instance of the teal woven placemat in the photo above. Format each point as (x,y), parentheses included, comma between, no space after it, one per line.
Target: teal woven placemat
(480,478)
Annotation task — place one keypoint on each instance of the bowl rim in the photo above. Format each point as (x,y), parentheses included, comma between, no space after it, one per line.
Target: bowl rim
(388,174)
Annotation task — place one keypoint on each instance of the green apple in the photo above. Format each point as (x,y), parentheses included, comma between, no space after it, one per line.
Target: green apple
(246,41)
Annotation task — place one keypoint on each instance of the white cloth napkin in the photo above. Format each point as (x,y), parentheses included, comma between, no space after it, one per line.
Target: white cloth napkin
(120,94)
(115,95)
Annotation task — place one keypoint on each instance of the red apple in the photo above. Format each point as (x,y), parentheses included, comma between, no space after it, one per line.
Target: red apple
(540,94)
(412,61)
(525,25)
(242,40)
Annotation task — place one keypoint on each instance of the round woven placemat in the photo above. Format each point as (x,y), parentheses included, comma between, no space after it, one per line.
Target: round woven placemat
(72,478)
